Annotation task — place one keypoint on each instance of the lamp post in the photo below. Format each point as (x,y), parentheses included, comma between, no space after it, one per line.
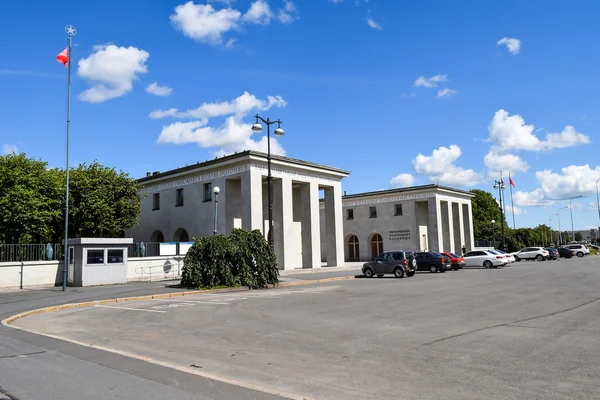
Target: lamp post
(257,128)
(571,209)
(501,186)
(216,191)
(493,232)
(598,200)
(559,231)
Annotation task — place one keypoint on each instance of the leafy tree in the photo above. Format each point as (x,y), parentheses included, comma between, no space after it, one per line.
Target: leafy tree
(486,209)
(578,236)
(102,202)
(29,199)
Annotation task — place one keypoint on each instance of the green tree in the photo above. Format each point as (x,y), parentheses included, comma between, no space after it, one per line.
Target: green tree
(578,236)
(486,209)
(29,199)
(102,202)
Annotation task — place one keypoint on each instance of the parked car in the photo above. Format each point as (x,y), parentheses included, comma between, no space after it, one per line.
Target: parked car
(531,253)
(504,257)
(510,257)
(483,258)
(552,253)
(398,262)
(457,262)
(566,253)
(580,249)
(433,262)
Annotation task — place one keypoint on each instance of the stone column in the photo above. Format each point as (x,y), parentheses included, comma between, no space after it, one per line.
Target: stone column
(461,217)
(252,201)
(469,234)
(450,246)
(334,221)
(311,232)
(434,225)
(283,218)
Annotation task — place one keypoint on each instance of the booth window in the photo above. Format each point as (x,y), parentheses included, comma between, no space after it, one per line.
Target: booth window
(95,256)
(115,256)
(208,191)
(71,257)
(179,198)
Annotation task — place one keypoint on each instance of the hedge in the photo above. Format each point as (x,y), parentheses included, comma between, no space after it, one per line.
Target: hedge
(240,259)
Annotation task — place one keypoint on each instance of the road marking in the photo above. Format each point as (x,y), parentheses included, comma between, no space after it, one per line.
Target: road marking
(127,308)
(193,301)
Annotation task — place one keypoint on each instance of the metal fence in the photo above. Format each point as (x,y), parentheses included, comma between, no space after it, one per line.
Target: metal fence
(30,252)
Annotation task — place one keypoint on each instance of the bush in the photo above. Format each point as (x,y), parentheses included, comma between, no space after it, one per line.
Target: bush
(240,259)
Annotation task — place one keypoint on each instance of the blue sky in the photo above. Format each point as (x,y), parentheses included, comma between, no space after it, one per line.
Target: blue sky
(397,92)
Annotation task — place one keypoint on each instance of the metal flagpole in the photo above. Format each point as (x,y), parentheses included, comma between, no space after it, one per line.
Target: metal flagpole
(504,198)
(71,31)
(512,204)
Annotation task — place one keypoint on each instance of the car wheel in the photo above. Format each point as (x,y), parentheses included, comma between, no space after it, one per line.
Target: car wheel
(517,259)
(380,275)
(443,269)
(487,264)
(433,268)
(368,272)
(399,272)
(410,273)
(579,254)
(539,257)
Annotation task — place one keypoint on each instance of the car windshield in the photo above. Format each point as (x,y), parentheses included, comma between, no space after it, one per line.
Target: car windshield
(493,252)
(499,251)
(453,255)
(436,254)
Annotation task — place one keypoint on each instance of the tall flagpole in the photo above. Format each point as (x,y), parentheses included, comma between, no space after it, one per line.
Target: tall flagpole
(512,204)
(71,31)
(504,198)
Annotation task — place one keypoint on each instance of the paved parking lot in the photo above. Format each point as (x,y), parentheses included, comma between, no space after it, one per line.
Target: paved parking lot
(527,331)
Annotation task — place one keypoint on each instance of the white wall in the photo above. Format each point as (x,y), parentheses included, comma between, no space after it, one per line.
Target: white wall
(49,273)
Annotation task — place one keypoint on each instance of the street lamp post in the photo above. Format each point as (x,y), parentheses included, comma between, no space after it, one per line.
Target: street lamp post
(257,128)
(559,231)
(501,186)
(571,209)
(493,232)
(598,200)
(543,235)
(216,191)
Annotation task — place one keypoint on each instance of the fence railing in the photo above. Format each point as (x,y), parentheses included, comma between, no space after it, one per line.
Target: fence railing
(41,252)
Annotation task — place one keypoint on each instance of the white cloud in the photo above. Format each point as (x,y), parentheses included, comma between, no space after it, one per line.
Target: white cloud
(402,180)
(430,82)
(289,13)
(113,69)
(258,13)
(513,45)
(518,210)
(496,163)
(234,135)
(9,149)
(440,167)
(445,92)
(530,199)
(371,22)
(206,24)
(509,132)
(157,90)
(574,180)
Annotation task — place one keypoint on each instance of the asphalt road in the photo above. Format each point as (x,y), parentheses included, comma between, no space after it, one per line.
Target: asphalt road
(527,331)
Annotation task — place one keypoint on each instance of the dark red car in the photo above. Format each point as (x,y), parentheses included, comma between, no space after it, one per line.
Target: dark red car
(456,261)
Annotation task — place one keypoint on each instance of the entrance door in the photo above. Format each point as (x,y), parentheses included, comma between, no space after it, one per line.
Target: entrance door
(353,252)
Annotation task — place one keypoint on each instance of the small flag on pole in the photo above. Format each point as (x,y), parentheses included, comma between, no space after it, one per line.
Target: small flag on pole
(512,183)
(63,57)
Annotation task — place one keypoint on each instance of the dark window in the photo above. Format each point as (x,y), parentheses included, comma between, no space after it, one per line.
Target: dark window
(469,254)
(480,253)
(398,256)
(208,191)
(373,212)
(397,209)
(179,198)
(115,256)
(156,201)
(350,213)
(95,256)
(71,255)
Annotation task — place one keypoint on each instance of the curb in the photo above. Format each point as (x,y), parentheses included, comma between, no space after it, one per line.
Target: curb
(8,321)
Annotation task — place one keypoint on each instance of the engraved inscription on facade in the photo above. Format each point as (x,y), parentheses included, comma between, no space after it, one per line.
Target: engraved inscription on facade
(400,234)
(196,178)
(388,199)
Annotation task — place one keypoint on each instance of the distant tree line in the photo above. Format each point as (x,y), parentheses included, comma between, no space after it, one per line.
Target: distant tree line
(102,201)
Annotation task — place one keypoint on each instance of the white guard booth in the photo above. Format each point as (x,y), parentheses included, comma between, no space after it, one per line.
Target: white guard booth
(97,261)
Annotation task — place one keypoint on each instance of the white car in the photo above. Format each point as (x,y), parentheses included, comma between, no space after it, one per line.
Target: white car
(498,253)
(532,253)
(483,258)
(579,249)
(510,257)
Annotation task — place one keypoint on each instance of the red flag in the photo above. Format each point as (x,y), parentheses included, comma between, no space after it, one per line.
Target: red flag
(512,183)
(63,57)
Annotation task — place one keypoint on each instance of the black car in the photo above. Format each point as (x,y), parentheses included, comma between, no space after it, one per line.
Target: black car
(433,262)
(399,263)
(552,253)
(565,253)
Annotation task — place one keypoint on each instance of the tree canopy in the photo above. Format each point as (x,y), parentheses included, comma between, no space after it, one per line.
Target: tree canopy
(102,201)
(486,209)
